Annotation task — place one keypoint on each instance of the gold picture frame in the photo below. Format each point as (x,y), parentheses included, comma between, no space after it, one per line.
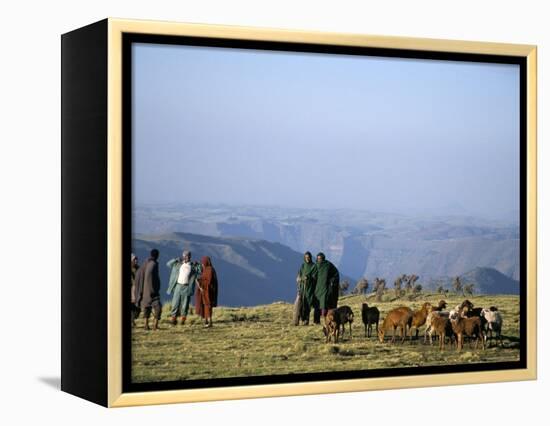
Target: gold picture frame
(115,396)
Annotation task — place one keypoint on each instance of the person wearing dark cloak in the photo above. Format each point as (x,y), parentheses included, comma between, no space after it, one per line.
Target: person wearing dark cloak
(147,287)
(207,288)
(134,310)
(306,290)
(327,284)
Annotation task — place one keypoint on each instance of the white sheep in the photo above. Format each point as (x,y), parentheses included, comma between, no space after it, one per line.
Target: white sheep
(494,323)
(456,312)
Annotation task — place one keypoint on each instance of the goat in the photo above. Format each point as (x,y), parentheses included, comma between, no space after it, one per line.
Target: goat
(331,328)
(370,316)
(399,317)
(419,317)
(470,327)
(494,321)
(345,315)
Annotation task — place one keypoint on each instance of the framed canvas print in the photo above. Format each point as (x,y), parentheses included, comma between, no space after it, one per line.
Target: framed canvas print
(256,212)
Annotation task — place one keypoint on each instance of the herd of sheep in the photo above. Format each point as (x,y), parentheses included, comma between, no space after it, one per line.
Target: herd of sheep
(464,320)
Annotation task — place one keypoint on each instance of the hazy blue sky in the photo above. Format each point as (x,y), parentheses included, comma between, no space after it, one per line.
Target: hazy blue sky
(311,130)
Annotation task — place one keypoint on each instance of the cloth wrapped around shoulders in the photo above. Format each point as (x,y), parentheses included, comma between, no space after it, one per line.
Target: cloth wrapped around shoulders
(306,281)
(208,283)
(147,284)
(327,283)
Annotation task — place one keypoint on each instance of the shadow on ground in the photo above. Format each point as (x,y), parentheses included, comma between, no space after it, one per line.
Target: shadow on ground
(54,382)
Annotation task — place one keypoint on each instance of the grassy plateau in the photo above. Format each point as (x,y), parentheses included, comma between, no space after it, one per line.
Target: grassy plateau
(262,340)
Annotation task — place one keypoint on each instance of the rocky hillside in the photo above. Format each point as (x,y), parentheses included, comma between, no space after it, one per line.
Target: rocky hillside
(250,272)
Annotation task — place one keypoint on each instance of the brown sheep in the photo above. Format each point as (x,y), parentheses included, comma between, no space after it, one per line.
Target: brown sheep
(331,328)
(470,327)
(399,317)
(442,326)
(429,329)
(435,310)
(419,317)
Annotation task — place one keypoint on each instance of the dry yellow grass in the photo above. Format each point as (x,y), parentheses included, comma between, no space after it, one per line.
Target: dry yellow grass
(261,340)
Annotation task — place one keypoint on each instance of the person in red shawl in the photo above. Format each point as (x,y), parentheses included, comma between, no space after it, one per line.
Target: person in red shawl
(207,297)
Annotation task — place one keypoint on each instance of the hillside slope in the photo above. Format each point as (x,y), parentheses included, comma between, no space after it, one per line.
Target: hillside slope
(490,281)
(485,280)
(250,272)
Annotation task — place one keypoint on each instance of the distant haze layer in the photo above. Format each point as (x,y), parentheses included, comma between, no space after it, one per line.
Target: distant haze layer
(360,243)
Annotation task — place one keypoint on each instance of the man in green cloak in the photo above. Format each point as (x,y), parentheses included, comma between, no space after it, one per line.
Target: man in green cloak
(327,284)
(306,290)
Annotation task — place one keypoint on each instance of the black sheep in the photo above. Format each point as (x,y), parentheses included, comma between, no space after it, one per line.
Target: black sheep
(370,316)
(345,315)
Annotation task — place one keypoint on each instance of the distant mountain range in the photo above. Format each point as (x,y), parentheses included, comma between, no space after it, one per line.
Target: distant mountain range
(485,281)
(360,243)
(250,272)
(253,272)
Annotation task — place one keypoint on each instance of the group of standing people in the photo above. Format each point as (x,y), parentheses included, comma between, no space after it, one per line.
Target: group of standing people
(318,289)
(187,279)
